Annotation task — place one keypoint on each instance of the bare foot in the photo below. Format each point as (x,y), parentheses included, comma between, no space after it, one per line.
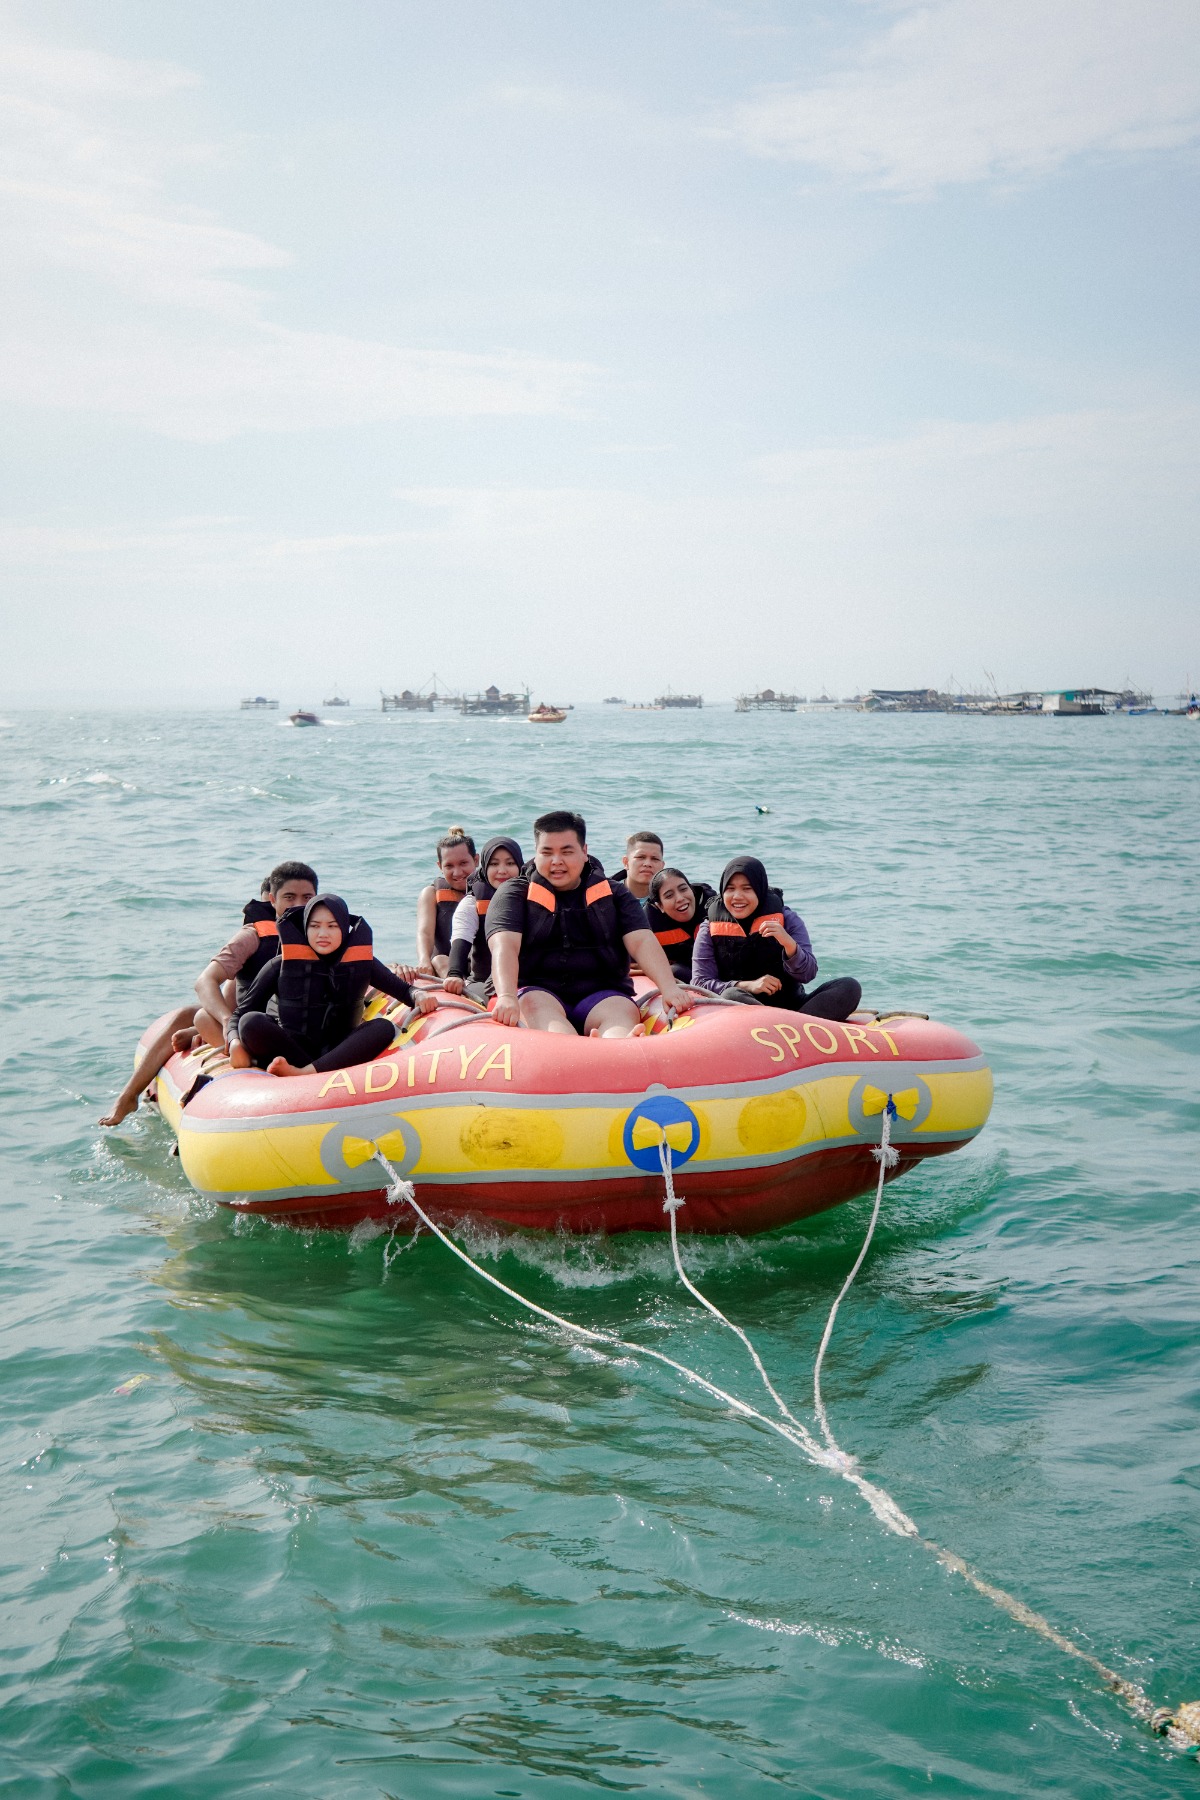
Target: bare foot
(281,1066)
(121,1110)
(239,1056)
(186,1040)
(639,1030)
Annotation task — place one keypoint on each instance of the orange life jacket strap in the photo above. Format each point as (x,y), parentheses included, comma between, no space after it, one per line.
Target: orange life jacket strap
(542,896)
(440,894)
(299,953)
(599,891)
(481,906)
(678,936)
(359,953)
(726,928)
(766,919)
(265,928)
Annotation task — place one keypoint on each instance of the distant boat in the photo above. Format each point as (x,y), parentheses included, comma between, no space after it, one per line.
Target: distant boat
(670,699)
(614,700)
(335,702)
(547,715)
(260,704)
(645,706)
(305,718)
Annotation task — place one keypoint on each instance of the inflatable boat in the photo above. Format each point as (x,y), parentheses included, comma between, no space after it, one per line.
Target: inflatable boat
(769,1116)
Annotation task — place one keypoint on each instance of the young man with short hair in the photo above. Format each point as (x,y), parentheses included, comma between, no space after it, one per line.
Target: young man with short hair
(642,860)
(288,884)
(561,941)
(249,950)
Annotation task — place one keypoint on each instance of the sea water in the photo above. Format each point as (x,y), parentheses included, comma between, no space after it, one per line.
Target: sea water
(318,1515)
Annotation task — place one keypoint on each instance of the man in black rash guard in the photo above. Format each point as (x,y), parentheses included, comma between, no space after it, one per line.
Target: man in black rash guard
(561,939)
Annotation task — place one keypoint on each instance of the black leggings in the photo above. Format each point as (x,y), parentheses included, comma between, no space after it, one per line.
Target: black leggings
(833,999)
(264,1037)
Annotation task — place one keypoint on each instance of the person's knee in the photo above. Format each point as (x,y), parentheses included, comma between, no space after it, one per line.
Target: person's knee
(208,1028)
(613,1017)
(835,1000)
(375,1037)
(256,1033)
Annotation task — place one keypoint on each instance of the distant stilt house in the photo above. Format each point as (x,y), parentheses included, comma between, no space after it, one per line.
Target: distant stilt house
(909,700)
(407,701)
(767,700)
(493,704)
(1076,703)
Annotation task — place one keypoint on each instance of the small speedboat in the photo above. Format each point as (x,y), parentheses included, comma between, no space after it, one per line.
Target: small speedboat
(305,718)
(547,715)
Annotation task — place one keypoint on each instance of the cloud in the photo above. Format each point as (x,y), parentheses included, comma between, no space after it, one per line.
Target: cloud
(991,90)
(1047,467)
(209,385)
(128,303)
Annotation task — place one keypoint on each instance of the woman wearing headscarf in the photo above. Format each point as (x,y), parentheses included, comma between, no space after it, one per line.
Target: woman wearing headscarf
(753,947)
(303,1012)
(470,967)
(675,911)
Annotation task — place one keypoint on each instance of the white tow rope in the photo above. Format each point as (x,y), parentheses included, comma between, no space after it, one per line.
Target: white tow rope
(1180,1727)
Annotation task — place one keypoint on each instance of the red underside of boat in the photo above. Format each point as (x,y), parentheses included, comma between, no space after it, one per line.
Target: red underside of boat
(721,1201)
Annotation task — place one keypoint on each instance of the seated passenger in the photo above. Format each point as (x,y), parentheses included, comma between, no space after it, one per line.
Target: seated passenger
(303,1013)
(754,946)
(240,960)
(469,954)
(248,953)
(641,862)
(436,904)
(675,911)
(561,938)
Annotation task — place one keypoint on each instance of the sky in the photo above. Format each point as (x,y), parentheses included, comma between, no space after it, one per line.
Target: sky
(601,348)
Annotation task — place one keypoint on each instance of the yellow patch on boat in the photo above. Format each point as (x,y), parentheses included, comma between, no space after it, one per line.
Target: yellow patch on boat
(500,1137)
(772,1122)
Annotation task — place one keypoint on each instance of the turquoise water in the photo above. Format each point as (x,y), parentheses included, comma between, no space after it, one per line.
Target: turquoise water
(362,1529)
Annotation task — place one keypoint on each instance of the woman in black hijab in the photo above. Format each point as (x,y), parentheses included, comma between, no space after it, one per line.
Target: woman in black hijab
(303,1013)
(502,859)
(753,947)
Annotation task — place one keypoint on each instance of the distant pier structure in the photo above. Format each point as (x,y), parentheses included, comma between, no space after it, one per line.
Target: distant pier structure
(767,700)
(672,700)
(492,704)
(407,701)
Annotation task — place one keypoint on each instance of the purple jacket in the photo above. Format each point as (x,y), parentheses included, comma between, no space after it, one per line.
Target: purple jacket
(803,966)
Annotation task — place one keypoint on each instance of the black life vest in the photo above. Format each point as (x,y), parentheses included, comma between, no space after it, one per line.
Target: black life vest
(541,938)
(744,956)
(445,901)
(676,939)
(319,1000)
(260,916)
